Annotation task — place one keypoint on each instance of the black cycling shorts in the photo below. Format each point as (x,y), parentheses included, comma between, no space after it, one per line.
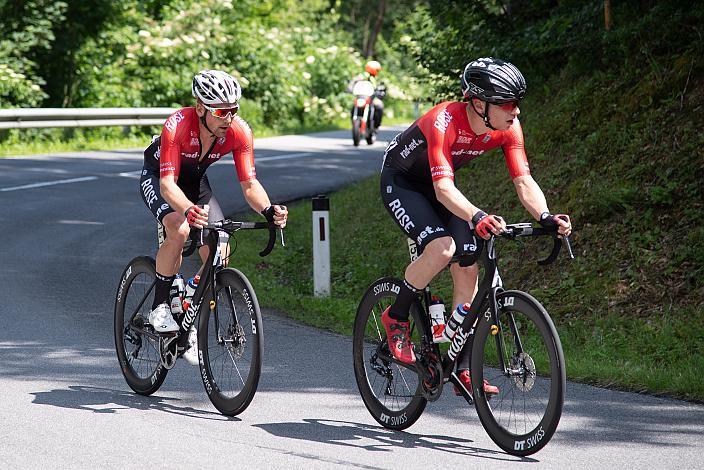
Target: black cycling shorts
(423,218)
(201,194)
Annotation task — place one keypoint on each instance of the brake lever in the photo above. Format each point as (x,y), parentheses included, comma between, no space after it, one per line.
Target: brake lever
(568,245)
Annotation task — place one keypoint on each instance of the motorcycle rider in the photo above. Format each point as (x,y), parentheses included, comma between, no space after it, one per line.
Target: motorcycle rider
(371,70)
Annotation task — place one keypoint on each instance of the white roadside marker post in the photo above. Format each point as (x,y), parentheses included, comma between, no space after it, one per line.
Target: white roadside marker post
(321,246)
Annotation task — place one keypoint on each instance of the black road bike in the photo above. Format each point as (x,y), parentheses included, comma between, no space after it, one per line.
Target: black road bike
(230,333)
(513,344)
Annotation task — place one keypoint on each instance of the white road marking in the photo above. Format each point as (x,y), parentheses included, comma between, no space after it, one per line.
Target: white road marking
(50,183)
(281,157)
(132,174)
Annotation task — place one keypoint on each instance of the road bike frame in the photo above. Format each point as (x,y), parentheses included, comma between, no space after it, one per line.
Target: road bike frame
(489,289)
(209,236)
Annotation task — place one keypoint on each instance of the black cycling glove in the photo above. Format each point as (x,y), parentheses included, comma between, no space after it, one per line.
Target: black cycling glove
(547,220)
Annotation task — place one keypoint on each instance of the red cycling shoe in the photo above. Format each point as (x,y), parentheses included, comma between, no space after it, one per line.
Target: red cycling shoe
(397,335)
(467,382)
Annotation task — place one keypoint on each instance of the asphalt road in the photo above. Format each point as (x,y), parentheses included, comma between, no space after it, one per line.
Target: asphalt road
(70,224)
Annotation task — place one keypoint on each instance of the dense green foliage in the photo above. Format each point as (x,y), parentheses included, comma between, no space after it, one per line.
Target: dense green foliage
(292,60)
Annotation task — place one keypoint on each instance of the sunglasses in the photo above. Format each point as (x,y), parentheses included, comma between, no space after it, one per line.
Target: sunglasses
(223,113)
(510,106)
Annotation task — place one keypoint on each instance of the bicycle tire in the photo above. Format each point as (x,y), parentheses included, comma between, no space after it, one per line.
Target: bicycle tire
(138,354)
(536,389)
(231,346)
(378,390)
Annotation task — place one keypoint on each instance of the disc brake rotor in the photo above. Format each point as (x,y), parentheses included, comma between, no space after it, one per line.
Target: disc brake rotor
(236,340)
(524,375)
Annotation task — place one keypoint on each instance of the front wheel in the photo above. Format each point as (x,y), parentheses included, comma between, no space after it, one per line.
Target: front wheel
(136,343)
(522,418)
(392,393)
(356,131)
(231,343)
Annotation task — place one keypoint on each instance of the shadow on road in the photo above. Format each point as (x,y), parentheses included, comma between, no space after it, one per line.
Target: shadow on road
(379,439)
(621,417)
(105,400)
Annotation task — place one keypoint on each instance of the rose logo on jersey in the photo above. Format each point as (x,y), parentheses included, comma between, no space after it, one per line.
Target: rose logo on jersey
(442,121)
(149,192)
(173,121)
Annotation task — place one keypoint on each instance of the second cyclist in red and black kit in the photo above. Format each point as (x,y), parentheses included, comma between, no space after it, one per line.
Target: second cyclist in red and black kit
(419,191)
(174,185)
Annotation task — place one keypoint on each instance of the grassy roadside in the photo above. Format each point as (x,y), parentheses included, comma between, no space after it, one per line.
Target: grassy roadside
(661,356)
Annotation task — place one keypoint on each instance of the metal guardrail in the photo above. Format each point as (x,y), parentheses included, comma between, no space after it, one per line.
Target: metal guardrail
(26,118)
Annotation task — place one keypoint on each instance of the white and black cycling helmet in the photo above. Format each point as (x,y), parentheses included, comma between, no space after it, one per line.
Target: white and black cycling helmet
(493,80)
(215,87)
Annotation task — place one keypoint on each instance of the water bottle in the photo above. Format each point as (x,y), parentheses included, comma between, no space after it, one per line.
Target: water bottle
(455,320)
(176,295)
(190,289)
(437,319)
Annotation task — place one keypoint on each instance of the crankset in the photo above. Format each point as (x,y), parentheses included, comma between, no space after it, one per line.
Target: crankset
(430,372)
(168,347)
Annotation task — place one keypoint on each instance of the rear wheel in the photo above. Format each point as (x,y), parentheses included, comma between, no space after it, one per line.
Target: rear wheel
(371,130)
(392,393)
(522,418)
(231,343)
(136,343)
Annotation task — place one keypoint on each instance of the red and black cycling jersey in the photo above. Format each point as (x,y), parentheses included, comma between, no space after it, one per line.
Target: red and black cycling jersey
(178,150)
(442,141)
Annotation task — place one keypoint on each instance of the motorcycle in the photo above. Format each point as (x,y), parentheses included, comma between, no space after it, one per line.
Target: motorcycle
(363,122)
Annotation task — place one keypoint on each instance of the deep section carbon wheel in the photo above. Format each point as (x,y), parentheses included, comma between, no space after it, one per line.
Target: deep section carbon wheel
(136,343)
(522,418)
(391,392)
(231,343)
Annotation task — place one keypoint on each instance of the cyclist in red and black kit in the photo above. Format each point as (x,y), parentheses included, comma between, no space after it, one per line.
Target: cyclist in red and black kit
(176,190)
(419,191)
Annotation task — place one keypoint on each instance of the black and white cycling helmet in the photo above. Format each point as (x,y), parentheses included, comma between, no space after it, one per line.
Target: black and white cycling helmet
(215,87)
(493,80)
